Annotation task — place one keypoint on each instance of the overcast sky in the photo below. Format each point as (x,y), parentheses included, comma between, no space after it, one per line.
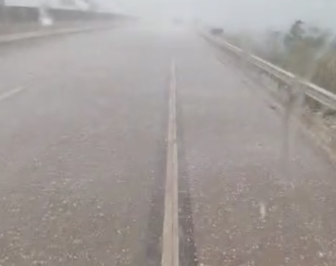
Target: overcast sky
(229,14)
(236,14)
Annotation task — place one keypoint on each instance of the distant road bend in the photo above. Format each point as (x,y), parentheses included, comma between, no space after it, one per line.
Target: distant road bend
(136,146)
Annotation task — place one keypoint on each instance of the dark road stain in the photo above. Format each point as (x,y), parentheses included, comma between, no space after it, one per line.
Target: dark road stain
(153,236)
(155,224)
(187,247)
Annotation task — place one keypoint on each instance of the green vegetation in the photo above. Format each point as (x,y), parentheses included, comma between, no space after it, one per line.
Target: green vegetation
(307,51)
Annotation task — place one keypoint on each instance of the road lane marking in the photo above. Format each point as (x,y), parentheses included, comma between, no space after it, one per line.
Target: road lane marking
(10,93)
(170,239)
(262,211)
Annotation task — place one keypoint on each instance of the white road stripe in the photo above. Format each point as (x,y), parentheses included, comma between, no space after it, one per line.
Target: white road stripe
(170,239)
(10,93)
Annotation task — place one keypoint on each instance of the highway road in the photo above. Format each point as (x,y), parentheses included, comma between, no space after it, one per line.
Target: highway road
(87,161)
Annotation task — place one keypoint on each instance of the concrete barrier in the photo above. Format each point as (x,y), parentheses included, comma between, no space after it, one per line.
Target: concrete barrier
(10,15)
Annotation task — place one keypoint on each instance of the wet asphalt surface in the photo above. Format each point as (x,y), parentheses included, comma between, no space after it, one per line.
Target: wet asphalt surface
(83,148)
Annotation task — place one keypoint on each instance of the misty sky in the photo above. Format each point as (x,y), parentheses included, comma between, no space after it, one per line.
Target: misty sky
(236,14)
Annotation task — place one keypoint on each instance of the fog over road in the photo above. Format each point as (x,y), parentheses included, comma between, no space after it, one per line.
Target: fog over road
(83,136)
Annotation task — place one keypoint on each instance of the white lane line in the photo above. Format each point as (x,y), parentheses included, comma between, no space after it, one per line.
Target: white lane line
(262,211)
(170,239)
(10,93)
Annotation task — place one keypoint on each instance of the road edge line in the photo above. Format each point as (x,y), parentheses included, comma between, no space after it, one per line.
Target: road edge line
(11,93)
(170,237)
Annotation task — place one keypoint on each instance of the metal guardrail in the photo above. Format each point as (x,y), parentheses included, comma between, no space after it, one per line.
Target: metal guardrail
(313,91)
